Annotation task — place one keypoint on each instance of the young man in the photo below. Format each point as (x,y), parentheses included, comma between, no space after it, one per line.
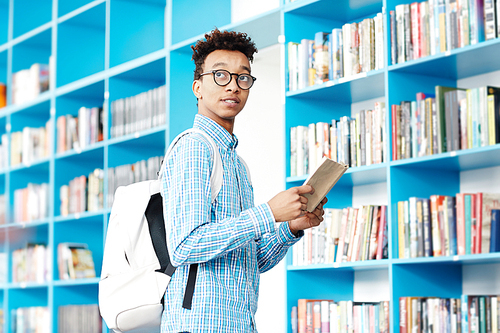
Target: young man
(230,239)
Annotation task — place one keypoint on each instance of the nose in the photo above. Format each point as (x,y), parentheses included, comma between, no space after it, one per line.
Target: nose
(233,84)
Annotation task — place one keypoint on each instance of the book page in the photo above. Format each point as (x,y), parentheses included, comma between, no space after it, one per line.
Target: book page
(322,180)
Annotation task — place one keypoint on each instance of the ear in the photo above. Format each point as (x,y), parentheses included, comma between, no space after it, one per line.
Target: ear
(197,88)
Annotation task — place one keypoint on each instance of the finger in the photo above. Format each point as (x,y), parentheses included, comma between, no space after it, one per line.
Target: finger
(305,189)
(303,199)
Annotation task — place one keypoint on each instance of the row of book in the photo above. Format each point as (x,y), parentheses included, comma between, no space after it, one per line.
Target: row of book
(140,112)
(74,261)
(31,319)
(355,48)
(30,264)
(27,84)
(426,28)
(30,203)
(78,132)
(30,144)
(79,319)
(346,235)
(446,225)
(340,317)
(83,194)
(467,314)
(131,173)
(354,141)
(449,120)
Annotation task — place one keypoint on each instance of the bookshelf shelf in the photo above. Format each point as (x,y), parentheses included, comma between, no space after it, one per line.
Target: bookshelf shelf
(394,180)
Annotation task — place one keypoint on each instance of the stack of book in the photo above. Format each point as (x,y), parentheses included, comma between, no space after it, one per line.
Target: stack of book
(74,261)
(465,314)
(346,235)
(343,52)
(131,173)
(27,84)
(30,144)
(30,264)
(31,203)
(79,318)
(4,151)
(446,225)
(138,113)
(429,27)
(355,141)
(83,194)
(311,315)
(78,132)
(447,120)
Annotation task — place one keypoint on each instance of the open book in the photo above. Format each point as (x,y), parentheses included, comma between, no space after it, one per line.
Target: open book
(322,180)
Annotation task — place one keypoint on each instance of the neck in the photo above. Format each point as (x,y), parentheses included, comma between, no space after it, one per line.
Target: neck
(227,124)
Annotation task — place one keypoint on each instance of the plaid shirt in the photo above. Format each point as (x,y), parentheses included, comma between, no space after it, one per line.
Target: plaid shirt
(232,240)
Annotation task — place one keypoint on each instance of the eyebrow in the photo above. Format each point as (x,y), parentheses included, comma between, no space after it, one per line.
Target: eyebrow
(223,64)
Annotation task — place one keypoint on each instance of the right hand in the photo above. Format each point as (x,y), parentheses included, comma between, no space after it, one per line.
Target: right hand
(290,204)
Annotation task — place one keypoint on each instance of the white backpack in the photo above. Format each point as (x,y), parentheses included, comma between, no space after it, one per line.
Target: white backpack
(136,269)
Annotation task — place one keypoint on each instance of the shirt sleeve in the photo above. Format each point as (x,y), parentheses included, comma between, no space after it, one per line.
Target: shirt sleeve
(272,248)
(192,236)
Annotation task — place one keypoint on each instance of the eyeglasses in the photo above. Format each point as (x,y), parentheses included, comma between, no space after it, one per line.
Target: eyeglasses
(223,77)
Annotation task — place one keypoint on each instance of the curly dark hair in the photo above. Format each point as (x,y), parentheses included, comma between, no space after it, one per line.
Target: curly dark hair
(217,40)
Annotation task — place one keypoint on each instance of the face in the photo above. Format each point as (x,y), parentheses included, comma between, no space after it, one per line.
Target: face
(222,104)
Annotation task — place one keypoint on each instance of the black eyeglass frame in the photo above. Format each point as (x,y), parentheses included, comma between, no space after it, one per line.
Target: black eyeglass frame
(230,78)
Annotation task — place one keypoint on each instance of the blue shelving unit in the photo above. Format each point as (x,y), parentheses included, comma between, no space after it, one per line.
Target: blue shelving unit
(421,177)
(105,50)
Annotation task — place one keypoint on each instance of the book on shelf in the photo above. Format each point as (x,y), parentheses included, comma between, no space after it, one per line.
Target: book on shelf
(325,315)
(83,193)
(453,120)
(3,95)
(469,313)
(30,144)
(30,263)
(138,113)
(356,141)
(430,27)
(495,230)
(322,180)
(451,225)
(346,235)
(87,315)
(78,132)
(27,84)
(31,203)
(34,318)
(75,261)
(353,48)
(127,174)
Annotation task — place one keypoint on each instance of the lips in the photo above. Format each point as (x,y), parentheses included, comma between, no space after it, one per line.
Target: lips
(230,100)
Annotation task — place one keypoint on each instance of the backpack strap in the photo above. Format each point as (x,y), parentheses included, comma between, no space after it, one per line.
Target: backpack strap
(216,176)
(156,223)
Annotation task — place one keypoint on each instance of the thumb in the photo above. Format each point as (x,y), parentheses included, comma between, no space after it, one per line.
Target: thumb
(305,189)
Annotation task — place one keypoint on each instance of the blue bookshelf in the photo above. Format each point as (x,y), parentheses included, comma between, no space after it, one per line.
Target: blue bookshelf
(421,177)
(102,51)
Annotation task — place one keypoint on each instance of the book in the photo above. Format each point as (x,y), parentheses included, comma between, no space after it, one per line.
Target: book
(495,231)
(322,180)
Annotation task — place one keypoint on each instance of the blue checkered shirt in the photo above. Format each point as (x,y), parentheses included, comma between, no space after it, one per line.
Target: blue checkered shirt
(232,240)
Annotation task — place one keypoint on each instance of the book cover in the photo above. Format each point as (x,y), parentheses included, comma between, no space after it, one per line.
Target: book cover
(495,230)
(322,180)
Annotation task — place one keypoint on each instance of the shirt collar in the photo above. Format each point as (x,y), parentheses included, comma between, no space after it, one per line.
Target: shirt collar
(216,131)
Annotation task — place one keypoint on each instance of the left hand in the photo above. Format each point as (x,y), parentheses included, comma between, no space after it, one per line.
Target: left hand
(308,220)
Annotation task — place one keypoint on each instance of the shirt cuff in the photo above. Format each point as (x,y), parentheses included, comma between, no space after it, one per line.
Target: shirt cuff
(286,236)
(263,220)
